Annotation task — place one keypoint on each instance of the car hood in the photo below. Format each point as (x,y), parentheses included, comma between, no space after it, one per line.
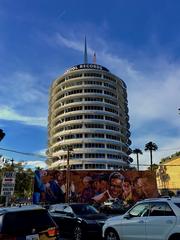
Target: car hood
(114,219)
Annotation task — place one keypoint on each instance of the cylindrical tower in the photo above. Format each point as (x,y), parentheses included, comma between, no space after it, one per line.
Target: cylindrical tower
(88,112)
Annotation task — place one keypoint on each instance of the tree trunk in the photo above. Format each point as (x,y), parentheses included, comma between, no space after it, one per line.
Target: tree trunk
(151,159)
(137,161)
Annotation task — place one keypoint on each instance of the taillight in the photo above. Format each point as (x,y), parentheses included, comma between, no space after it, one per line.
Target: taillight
(6,237)
(53,232)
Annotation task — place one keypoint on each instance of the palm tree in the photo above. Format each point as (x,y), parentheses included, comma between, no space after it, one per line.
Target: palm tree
(150,146)
(137,151)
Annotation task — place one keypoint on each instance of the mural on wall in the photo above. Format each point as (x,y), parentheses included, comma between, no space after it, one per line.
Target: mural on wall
(94,187)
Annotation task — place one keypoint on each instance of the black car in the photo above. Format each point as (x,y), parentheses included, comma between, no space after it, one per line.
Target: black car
(27,223)
(115,207)
(78,220)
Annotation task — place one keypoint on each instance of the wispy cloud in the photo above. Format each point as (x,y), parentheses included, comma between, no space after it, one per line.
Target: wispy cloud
(42,152)
(23,99)
(22,89)
(7,113)
(69,43)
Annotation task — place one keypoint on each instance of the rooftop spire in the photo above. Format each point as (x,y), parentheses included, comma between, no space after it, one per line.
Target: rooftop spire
(94,58)
(85,52)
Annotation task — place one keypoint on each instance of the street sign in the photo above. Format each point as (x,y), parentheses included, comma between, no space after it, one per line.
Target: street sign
(8,184)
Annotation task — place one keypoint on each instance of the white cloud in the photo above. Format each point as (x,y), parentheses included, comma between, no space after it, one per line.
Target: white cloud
(42,152)
(23,99)
(73,44)
(34,164)
(156,99)
(69,43)
(7,113)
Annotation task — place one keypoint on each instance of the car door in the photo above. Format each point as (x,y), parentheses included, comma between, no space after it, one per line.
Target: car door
(70,220)
(59,216)
(160,221)
(133,223)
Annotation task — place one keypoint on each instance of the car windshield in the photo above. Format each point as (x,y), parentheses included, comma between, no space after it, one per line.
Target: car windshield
(83,209)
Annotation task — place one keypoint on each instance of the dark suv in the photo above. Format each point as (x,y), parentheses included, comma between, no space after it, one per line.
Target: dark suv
(27,223)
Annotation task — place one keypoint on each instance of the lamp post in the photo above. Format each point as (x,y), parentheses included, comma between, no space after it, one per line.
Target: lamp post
(68,149)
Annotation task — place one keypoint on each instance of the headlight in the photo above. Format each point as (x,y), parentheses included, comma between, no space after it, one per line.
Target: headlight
(101,222)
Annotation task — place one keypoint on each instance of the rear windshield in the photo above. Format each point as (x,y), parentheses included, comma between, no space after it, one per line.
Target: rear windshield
(177,204)
(83,209)
(26,222)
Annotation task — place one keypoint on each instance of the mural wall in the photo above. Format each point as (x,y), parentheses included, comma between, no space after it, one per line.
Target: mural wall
(94,187)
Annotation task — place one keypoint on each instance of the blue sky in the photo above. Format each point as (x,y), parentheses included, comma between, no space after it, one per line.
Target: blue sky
(137,40)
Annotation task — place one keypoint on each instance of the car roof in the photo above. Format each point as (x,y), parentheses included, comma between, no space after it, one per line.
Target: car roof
(162,199)
(68,204)
(20,208)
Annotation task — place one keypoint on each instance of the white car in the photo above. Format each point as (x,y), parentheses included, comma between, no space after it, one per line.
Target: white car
(150,219)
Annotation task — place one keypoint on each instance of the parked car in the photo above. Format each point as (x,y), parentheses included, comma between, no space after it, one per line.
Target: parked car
(78,220)
(114,207)
(148,219)
(27,223)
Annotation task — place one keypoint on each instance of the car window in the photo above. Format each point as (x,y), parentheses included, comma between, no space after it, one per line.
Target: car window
(68,209)
(57,208)
(84,209)
(140,210)
(161,209)
(23,222)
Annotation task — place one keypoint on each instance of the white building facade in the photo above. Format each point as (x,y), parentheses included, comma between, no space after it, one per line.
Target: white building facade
(88,113)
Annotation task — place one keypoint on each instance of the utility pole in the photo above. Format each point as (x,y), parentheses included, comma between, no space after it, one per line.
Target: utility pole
(68,149)
(12,162)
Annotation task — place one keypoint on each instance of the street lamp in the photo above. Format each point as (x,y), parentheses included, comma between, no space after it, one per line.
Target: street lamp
(68,149)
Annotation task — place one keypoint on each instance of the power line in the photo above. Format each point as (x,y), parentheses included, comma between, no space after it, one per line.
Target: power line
(168,149)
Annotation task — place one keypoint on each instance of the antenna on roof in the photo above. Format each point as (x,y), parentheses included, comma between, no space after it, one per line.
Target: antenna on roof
(85,52)
(94,58)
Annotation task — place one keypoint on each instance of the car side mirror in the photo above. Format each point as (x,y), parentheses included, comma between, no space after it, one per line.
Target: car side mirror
(127,216)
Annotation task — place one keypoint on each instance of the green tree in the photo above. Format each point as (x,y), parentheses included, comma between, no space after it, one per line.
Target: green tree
(24,179)
(137,151)
(154,167)
(150,146)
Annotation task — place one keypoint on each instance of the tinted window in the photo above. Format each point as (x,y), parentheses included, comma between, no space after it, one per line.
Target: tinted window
(23,222)
(83,209)
(161,209)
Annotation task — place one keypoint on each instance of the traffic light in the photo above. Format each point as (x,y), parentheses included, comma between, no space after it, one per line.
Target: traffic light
(2,134)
